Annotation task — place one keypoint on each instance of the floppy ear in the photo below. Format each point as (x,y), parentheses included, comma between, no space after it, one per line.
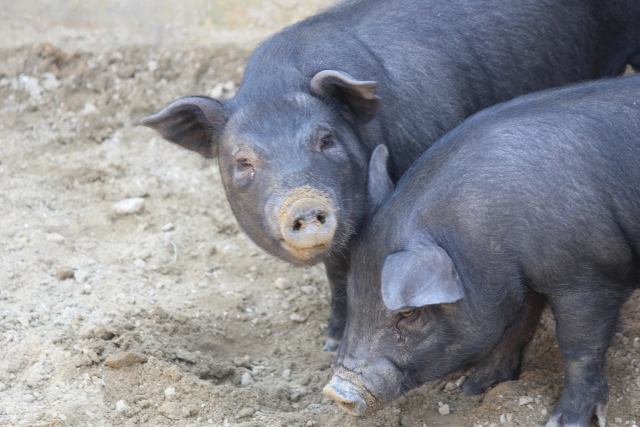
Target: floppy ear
(419,277)
(194,123)
(356,94)
(379,184)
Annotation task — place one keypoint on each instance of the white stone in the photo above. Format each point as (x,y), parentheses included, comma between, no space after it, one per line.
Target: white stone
(286,374)
(170,393)
(2,387)
(28,398)
(524,400)
(121,405)
(168,226)
(50,82)
(282,283)
(139,263)
(444,410)
(246,379)
(89,108)
(55,237)
(130,206)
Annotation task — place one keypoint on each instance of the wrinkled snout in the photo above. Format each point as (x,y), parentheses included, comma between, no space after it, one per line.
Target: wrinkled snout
(347,395)
(307,226)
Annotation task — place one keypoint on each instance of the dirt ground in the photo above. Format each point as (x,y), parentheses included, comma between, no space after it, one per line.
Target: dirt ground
(161,312)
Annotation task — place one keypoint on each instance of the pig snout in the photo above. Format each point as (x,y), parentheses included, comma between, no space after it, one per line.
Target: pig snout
(307,226)
(347,395)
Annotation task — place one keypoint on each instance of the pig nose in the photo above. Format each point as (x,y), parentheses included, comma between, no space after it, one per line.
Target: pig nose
(307,224)
(346,395)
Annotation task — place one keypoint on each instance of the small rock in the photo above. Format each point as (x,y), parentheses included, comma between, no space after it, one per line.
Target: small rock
(98,382)
(168,226)
(28,398)
(34,378)
(444,410)
(81,276)
(450,386)
(246,379)
(460,381)
(121,405)
(170,393)
(524,400)
(64,272)
(130,206)
(282,283)
(89,108)
(139,263)
(2,387)
(189,411)
(217,91)
(50,82)
(143,254)
(286,374)
(544,412)
(55,237)
(618,420)
(297,318)
(503,418)
(245,412)
(122,360)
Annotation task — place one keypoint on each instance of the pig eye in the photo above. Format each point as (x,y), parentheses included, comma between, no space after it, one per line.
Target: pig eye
(407,313)
(244,163)
(326,142)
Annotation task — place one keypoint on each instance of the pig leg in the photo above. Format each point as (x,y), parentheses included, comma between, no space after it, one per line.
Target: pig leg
(585,321)
(337,277)
(503,363)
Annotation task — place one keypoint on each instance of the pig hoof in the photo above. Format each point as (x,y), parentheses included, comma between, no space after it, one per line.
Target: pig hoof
(331,344)
(472,388)
(556,420)
(601,414)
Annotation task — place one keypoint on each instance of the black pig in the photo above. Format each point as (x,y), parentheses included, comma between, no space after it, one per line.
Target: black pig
(294,143)
(532,200)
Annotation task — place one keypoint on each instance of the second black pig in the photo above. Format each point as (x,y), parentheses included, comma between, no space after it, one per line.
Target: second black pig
(532,200)
(294,143)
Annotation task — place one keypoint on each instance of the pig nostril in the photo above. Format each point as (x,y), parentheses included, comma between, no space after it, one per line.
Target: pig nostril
(297,225)
(321,218)
(348,406)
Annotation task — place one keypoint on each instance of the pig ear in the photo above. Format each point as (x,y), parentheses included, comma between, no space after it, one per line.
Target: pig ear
(379,185)
(194,123)
(356,94)
(419,277)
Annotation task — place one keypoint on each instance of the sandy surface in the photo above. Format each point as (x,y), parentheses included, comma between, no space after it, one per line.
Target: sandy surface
(168,314)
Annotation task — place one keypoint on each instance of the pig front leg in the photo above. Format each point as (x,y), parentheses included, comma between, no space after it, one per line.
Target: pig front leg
(504,361)
(337,276)
(585,322)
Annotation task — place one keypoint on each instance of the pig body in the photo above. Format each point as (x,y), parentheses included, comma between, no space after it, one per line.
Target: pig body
(534,200)
(318,97)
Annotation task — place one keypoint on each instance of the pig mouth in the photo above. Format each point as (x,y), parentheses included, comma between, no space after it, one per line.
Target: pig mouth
(347,389)
(306,255)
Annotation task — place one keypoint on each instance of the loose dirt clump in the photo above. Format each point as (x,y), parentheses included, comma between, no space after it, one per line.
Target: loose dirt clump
(170,294)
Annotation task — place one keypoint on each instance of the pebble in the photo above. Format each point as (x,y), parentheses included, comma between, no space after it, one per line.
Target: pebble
(121,405)
(64,272)
(28,398)
(89,108)
(246,379)
(50,82)
(122,360)
(460,381)
(524,400)
(168,226)
(138,262)
(130,206)
(170,393)
(81,276)
(2,387)
(55,237)
(444,410)
(618,420)
(189,411)
(450,386)
(245,412)
(286,374)
(282,283)
(297,318)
